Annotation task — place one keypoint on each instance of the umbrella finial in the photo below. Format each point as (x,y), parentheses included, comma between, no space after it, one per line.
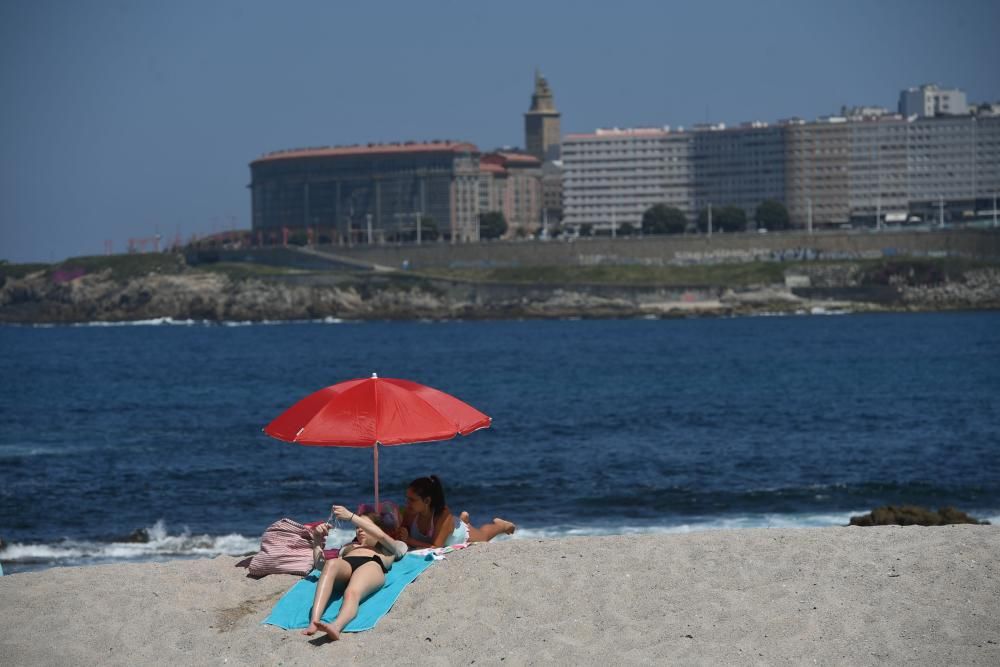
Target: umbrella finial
(374,376)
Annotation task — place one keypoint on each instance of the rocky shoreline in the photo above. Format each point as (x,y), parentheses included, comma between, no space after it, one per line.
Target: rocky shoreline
(195,294)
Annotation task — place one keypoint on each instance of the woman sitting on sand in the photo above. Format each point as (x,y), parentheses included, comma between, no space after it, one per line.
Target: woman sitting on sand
(427,521)
(360,569)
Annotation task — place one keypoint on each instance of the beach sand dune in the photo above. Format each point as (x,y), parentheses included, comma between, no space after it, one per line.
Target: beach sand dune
(886,595)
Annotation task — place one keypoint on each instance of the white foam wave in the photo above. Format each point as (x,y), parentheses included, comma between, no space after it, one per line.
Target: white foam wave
(161,546)
(164,546)
(694,525)
(169,321)
(266,323)
(18,449)
(156,321)
(818,520)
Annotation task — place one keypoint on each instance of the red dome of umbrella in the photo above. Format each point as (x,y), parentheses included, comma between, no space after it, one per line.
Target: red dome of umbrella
(376,411)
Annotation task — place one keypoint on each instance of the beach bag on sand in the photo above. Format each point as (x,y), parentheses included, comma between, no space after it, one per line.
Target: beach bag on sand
(285,548)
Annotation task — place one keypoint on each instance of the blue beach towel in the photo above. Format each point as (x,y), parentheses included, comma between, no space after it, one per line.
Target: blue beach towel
(292,610)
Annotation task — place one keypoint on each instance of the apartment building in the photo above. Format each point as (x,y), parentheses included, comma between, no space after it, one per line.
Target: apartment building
(611,177)
(930,100)
(953,162)
(865,169)
(877,181)
(817,171)
(740,166)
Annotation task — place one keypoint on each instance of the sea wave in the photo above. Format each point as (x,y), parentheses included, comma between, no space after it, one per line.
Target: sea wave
(692,524)
(170,321)
(155,321)
(20,557)
(163,545)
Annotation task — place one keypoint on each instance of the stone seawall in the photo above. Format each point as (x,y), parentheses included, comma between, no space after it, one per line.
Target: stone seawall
(658,250)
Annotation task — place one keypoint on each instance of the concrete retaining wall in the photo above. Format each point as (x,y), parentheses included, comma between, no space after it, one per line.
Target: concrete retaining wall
(656,250)
(663,250)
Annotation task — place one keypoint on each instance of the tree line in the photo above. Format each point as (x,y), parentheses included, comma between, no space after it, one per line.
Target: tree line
(663,219)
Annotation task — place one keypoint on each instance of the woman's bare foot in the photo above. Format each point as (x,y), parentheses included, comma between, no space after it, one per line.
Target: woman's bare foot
(464,516)
(507,526)
(328,628)
(311,630)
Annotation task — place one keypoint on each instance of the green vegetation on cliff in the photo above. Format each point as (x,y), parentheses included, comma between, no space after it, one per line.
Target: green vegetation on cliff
(8,270)
(919,271)
(886,271)
(124,267)
(717,274)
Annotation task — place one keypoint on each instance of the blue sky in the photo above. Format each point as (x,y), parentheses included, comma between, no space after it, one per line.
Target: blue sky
(129,118)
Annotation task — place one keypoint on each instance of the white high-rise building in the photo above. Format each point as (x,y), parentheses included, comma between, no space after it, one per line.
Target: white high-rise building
(611,177)
(938,163)
(930,100)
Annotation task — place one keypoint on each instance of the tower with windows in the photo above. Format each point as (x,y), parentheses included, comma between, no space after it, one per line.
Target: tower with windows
(541,123)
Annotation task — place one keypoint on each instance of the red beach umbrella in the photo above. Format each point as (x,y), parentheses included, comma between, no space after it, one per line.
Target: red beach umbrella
(375,411)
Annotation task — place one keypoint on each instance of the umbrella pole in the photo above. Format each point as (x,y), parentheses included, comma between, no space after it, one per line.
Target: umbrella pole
(375,450)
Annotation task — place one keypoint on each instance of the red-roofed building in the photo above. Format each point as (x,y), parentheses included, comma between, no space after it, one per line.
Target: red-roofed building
(370,193)
(511,183)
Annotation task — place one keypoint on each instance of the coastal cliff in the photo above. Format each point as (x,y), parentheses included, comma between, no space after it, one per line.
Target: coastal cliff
(171,289)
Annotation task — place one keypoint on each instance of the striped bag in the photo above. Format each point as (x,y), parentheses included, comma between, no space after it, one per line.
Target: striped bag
(285,548)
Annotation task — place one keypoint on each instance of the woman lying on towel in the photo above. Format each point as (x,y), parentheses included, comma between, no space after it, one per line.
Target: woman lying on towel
(427,521)
(360,570)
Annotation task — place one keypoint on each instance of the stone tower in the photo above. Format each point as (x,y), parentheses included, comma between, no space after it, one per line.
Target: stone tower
(541,123)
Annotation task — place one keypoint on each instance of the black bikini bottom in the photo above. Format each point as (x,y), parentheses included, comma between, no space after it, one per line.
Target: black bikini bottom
(357,561)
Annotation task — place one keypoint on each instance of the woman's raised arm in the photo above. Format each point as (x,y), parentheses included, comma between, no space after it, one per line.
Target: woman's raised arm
(395,547)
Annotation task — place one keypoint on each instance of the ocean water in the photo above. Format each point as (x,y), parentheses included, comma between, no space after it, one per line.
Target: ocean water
(600,427)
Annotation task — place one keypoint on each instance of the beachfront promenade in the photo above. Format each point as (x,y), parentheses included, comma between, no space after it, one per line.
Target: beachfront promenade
(886,595)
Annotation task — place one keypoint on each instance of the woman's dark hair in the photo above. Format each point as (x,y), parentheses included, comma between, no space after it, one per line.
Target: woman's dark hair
(378,521)
(430,487)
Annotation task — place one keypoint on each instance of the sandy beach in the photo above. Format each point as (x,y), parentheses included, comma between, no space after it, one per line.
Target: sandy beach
(887,595)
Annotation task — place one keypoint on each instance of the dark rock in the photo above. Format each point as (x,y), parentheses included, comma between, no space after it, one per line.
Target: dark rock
(911,515)
(137,536)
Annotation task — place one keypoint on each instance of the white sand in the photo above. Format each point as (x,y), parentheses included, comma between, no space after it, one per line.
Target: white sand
(855,596)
